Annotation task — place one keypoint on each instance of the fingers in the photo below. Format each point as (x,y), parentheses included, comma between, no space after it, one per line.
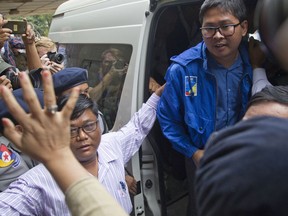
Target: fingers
(5,81)
(69,106)
(29,95)
(49,95)
(57,67)
(11,133)
(12,105)
(133,188)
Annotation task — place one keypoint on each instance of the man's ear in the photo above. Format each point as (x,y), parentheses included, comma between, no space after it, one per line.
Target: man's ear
(244,26)
(19,128)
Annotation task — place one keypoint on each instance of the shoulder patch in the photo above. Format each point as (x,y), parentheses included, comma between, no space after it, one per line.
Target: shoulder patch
(191,86)
(8,157)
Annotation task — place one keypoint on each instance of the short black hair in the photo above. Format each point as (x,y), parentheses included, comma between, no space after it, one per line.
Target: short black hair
(277,94)
(83,103)
(236,7)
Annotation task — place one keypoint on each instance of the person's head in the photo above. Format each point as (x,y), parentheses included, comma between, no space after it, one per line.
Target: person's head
(18,94)
(271,101)
(244,170)
(85,130)
(224,23)
(272,21)
(4,67)
(45,45)
(65,80)
(69,78)
(109,57)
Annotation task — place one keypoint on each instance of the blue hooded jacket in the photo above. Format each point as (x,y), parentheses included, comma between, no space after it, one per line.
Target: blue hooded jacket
(187,108)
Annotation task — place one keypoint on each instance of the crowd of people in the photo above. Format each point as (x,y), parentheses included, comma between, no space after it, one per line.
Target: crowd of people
(217,108)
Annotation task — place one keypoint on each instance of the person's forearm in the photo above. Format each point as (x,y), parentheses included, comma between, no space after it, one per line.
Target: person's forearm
(33,60)
(97,91)
(66,170)
(89,197)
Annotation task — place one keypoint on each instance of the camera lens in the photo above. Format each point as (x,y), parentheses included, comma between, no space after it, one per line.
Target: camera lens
(119,64)
(59,58)
(56,57)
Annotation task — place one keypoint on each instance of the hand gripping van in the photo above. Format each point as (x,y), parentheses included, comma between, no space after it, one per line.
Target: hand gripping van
(136,38)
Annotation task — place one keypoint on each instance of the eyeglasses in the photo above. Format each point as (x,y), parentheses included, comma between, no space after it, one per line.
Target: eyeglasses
(87,128)
(225,30)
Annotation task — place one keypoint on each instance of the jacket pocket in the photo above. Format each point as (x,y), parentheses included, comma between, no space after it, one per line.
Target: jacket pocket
(199,128)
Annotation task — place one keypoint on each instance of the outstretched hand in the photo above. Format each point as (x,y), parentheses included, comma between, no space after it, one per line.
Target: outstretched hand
(45,135)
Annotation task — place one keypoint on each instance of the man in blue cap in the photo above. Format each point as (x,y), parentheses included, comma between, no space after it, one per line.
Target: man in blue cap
(64,81)
(13,163)
(68,78)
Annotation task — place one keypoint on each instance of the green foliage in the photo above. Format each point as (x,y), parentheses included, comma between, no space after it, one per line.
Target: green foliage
(41,23)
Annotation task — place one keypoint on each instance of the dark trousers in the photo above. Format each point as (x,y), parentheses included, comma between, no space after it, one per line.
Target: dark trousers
(190,172)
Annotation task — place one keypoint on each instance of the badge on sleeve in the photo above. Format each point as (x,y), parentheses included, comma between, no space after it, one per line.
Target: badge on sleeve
(191,86)
(7,157)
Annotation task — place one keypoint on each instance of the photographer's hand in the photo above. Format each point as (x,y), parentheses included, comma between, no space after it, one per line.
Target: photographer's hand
(45,61)
(4,33)
(118,72)
(33,60)
(29,37)
(54,67)
(6,82)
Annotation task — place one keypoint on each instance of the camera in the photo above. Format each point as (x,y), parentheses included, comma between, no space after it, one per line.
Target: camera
(55,57)
(34,75)
(17,26)
(119,64)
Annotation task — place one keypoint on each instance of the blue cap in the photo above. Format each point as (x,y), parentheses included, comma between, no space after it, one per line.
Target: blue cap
(69,78)
(18,94)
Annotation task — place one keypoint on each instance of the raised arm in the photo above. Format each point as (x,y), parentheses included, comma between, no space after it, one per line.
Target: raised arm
(46,136)
(33,60)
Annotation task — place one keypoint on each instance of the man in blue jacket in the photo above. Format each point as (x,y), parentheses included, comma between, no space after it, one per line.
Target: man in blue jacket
(207,86)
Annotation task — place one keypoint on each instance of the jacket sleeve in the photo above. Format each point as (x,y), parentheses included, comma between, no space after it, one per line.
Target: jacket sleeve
(170,112)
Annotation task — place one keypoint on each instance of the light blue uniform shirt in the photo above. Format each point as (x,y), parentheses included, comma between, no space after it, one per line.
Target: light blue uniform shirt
(228,91)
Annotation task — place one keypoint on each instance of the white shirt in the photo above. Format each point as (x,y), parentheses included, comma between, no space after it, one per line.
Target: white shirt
(36,192)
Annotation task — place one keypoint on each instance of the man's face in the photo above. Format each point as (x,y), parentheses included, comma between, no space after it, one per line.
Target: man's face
(84,89)
(108,60)
(84,146)
(223,48)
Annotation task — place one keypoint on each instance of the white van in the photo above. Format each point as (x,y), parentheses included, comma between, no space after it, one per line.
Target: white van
(144,34)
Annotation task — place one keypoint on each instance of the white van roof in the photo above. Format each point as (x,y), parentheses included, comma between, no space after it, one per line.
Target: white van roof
(78,4)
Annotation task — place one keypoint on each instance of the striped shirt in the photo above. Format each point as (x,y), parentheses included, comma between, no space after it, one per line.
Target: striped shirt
(36,192)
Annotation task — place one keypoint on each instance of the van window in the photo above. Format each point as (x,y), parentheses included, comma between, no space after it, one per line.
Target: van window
(107,65)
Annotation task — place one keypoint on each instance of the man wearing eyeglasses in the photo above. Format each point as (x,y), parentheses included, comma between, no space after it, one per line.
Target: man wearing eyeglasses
(207,86)
(105,160)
